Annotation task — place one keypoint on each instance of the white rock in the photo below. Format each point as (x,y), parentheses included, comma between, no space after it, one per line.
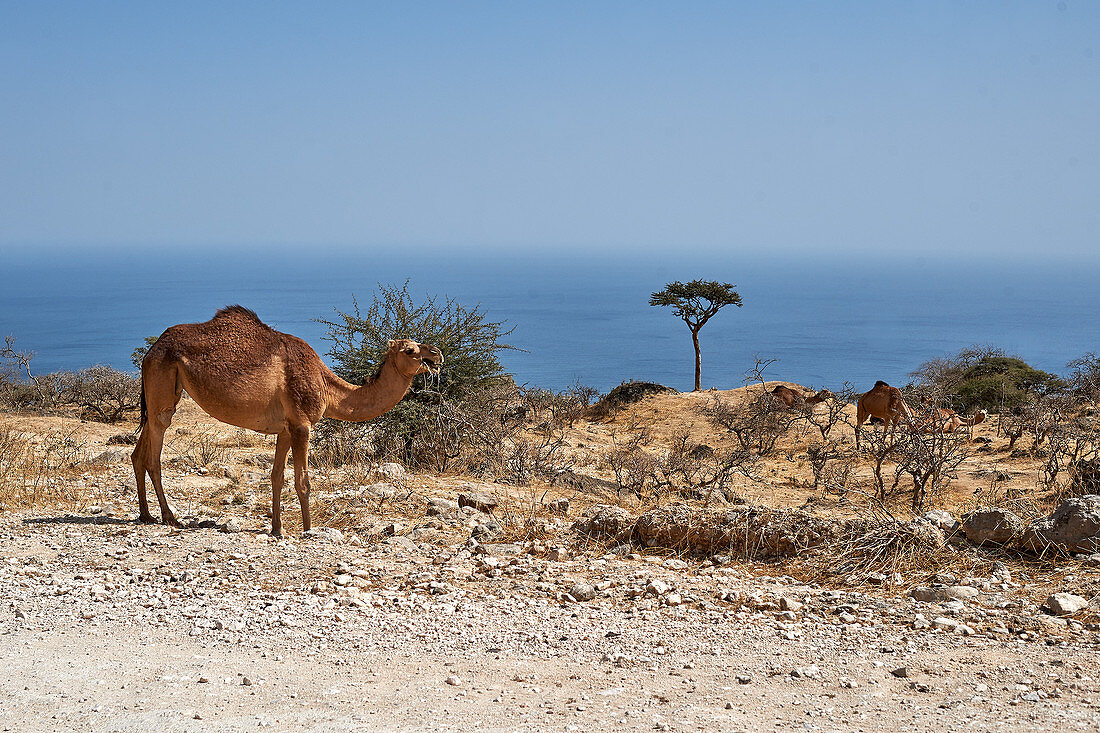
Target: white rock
(1066,604)
(811,672)
(392,471)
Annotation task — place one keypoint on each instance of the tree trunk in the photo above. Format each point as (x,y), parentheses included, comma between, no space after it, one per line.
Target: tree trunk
(698,361)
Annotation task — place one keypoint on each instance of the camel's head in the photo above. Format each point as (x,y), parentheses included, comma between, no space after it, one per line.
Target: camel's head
(412,358)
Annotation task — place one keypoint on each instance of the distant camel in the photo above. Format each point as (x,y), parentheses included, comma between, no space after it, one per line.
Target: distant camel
(946,420)
(247,374)
(794,398)
(885,403)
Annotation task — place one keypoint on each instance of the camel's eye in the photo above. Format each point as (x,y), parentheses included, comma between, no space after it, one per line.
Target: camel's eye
(410,351)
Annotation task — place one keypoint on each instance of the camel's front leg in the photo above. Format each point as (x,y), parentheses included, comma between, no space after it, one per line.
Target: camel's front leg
(282,447)
(299,443)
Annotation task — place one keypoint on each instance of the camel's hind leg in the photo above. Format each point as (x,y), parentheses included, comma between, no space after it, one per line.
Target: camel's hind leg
(138,459)
(282,446)
(162,393)
(299,443)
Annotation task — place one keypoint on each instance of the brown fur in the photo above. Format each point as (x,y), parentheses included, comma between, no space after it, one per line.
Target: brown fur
(883,402)
(247,374)
(793,398)
(946,420)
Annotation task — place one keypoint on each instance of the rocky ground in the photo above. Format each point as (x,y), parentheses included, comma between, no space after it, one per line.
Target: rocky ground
(108,625)
(404,610)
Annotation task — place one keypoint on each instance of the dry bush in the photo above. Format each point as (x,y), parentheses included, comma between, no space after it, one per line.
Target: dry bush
(929,458)
(103,394)
(833,411)
(1020,500)
(200,447)
(880,445)
(23,393)
(1085,377)
(1073,448)
(1043,415)
(510,433)
(634,467)
(831,473)
(884,545)
(1012,425)
(920,450)
(100,392)
(243,438)
(335,443)
(758,424)
(838,476)
(15,450)
(683,468)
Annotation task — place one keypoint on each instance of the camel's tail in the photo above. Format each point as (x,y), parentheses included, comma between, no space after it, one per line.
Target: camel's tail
(144,408)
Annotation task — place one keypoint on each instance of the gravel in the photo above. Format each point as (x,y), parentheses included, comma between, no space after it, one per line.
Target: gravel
(110,625)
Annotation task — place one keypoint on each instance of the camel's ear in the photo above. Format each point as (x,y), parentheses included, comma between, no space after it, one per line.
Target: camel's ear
(391,344)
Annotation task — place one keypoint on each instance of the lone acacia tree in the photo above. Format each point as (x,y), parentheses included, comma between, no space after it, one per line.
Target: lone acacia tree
(694,303)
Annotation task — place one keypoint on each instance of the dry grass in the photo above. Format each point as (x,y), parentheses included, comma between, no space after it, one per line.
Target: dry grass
(201,446)
(888,547)
(36,470)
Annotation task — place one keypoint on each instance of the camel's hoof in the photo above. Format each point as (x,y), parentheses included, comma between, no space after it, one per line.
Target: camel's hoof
(172,522)
(277,534)
(147,519)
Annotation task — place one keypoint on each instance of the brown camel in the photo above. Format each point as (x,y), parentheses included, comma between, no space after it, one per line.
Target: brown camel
(885,403)
(247,374)
(946,420)
(794,398)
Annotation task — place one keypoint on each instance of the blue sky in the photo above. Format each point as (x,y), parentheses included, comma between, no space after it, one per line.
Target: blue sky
(793,127)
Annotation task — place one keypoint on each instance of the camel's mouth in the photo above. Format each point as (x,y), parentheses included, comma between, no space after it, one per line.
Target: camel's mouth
(430,363)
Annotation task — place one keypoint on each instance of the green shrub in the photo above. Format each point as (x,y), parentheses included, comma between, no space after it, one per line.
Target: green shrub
(470,343)
(985,378)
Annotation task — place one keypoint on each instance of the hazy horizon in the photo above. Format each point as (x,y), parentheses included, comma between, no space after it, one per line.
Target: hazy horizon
(707,128)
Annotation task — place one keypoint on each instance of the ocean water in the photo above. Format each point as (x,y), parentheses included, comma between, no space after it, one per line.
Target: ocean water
(824,319)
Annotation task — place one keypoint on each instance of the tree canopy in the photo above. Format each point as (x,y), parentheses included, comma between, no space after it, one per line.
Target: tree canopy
(695,303)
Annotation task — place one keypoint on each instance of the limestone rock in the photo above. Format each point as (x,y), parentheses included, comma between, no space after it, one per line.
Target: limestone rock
(942,519)
(929,595)
(582,592)
(438,506)
(479,500)
(328,534)
(994,526)
(1074,527)
(789,604)
(392,471)
(112,456)
(606,522)
(1066,604)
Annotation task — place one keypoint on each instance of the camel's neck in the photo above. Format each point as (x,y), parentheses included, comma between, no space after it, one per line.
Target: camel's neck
(356,404)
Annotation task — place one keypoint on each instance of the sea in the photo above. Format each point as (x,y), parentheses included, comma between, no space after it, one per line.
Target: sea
(817,319)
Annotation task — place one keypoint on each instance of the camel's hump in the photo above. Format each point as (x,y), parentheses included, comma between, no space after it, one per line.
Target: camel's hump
(237,311)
